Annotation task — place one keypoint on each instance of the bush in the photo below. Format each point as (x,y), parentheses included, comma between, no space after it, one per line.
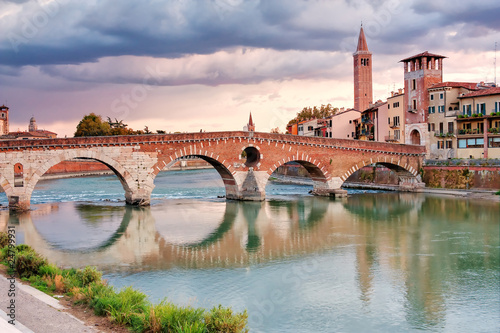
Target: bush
(167,317)
(4,239)
(28,263)
(24,248)
(88,275)
(49,270)
(224,320)
(123,307)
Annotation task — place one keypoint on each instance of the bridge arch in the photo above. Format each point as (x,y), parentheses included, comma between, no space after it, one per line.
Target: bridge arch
(319,178)
(230,184)
(6,186)
(64,155)
(406,176)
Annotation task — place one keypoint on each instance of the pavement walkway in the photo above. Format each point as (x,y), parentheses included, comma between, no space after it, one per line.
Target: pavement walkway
(36,312)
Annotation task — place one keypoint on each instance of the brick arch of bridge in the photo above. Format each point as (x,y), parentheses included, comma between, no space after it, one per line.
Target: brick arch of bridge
(317,175)
(64,155)
(405,174)
(232,191)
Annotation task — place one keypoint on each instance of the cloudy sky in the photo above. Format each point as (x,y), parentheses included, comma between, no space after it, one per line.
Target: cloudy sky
(186,65)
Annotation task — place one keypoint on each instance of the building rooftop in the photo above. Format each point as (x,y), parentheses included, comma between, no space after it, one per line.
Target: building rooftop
(423,54)
(482,92)
(467,85)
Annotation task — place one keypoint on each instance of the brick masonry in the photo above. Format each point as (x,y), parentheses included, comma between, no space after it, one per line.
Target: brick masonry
(136,160)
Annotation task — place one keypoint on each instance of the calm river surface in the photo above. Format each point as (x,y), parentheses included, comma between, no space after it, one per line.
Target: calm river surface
(374,262)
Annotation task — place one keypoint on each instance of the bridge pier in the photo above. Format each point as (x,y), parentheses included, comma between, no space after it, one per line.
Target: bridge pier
(140,197)
(253,185)
(331,188)
(19,203)
(410,183)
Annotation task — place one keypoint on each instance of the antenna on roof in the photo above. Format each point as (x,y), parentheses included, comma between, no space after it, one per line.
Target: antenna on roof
(495,63)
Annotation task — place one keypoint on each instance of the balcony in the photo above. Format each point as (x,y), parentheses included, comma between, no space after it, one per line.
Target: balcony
(391,138)
(412,110)
(494,130)
(394,125)
(470,131)
(444,135)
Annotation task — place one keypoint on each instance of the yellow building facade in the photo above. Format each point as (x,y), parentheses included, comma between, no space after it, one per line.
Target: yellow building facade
(396,117)
(478,124)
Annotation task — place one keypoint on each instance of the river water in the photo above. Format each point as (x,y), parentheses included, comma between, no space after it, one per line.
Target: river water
(372,262)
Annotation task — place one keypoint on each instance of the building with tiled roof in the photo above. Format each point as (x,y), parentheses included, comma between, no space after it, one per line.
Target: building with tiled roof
(482,92)
(466,85)
(425,54)
(442,117)
(478,124)
(421,72)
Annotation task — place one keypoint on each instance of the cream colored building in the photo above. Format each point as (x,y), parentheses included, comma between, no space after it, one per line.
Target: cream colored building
(396,117)
(442,114)
(306,127)
(343,124)
(479,124)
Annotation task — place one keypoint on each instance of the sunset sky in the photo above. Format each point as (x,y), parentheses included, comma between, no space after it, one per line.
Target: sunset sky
(185,65)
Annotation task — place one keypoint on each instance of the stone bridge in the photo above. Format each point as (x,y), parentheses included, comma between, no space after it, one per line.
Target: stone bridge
(244,160)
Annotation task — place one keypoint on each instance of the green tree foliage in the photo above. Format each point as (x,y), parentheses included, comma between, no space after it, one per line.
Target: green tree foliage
(314,113)
(92,125)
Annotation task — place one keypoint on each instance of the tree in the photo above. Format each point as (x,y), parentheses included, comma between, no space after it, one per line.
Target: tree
(275,130)
(307,113)
(92,125)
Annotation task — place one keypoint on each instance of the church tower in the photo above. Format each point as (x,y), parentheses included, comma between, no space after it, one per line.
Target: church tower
(250,126)
(363,94)
(4,120)
(33,127)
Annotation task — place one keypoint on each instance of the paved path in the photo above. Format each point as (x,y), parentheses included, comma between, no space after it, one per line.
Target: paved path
(34,314)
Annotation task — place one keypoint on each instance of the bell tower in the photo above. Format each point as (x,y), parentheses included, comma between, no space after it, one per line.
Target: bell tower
(4,120)
(363,94)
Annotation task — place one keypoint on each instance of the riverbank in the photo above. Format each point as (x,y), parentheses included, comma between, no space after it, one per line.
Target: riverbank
(41,313)
(127,308)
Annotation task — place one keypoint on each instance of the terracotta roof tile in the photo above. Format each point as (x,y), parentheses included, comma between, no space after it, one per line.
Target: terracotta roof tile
(482,92)
(423,54)
(467,85)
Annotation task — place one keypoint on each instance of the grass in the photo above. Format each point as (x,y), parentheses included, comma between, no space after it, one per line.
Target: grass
(127,306)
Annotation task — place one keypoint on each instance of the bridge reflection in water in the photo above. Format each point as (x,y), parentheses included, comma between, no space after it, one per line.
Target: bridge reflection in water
(422,244)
